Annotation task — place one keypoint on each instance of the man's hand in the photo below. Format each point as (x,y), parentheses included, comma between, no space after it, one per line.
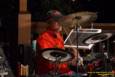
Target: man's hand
(74,61)
(78,60)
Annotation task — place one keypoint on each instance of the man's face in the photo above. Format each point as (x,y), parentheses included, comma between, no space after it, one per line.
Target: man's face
(55,26)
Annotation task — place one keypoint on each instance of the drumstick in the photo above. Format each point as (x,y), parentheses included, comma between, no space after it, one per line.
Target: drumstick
(74,49)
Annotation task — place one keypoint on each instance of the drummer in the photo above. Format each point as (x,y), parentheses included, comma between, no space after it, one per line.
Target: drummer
(51,38)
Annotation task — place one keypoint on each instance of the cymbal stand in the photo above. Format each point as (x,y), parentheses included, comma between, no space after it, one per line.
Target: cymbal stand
(108,66)
(77,42)
(106,55)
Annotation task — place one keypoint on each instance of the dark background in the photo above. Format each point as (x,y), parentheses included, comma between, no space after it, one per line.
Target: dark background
(38,8)
(8,30)
(105,8)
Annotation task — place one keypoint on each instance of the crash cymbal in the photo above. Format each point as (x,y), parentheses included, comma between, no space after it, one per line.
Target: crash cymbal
(83,17)
(78,17)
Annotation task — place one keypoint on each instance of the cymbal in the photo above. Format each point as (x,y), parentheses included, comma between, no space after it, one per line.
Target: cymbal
(56,54)
(73,19)
(98,38)
(83,17)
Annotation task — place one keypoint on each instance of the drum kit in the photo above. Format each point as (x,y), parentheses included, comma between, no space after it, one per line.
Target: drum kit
(57,56)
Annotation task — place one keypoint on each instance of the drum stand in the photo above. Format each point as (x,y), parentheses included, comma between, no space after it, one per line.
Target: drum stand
(77,43)
(106,58)
(56,68)
(77,34)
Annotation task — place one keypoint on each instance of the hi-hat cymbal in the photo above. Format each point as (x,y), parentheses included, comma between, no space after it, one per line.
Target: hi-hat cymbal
(78,18)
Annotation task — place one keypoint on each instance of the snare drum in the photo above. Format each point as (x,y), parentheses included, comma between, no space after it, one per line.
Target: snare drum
(47,62)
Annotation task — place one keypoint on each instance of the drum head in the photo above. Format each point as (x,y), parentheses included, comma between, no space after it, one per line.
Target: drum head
(56,54)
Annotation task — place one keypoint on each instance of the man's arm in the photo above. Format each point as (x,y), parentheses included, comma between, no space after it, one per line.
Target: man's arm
(77,57)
